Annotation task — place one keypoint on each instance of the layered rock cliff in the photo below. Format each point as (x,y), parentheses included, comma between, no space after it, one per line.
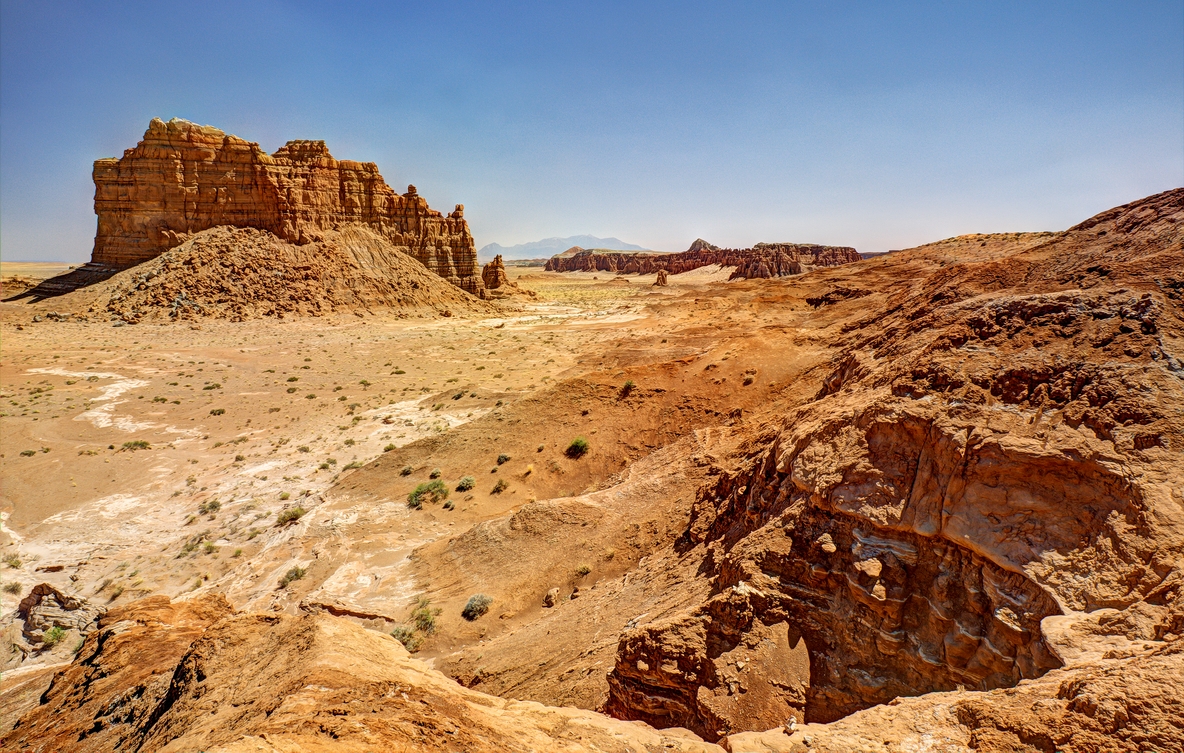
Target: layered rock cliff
(183,178)
(763,260)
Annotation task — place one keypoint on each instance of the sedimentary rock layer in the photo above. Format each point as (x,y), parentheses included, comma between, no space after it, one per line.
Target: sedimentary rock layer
(183,178)
(761,261)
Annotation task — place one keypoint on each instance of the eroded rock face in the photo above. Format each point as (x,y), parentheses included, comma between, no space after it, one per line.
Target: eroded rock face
(761,261)
(493,274)
(183,178)
(165,676)
(46,607)
(997,445)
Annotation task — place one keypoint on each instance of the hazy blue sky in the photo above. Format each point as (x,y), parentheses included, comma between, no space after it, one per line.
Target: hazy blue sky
(878,125)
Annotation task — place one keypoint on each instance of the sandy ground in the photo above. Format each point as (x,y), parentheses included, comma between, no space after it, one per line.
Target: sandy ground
(157,458)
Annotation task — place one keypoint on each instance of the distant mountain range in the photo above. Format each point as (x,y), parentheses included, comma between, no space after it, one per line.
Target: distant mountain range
(548,247)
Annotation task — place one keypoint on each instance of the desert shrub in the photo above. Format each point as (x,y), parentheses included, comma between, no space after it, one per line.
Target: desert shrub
(214,386)
(583,570)
(208,508)
(388,448)
(293,379)
(503,458)
(218,412)
(210,548)
(435,473)
(466,483)
(499,487)
(578,448)
(350,443)
(12,561)
(285,495)
(448,505)
(239,458)
(477,605)
(541,448)
(291,390)
(28,453)
(431,492)
(407,470)
(237,553)
(52,636)
(310,396)
(12,587)
(424,616)
(303,448)
(291,515)
(296,573)
(627,388)
(410,639)
(136,444)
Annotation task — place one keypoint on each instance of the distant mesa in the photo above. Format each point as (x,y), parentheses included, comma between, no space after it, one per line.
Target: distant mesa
(183,178)
(548,247)
(764,260)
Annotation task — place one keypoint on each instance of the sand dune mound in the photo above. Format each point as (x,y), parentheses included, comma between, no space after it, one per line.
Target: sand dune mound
(244,273)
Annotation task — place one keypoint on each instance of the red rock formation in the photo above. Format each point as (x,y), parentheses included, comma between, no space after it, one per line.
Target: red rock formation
(183,178)
(493,274)
(761,261)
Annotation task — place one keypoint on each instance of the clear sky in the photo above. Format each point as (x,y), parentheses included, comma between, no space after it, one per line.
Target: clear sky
(878,124)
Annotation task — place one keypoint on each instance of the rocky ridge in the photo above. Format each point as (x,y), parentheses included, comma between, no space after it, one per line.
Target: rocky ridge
(184,178)
(762,261)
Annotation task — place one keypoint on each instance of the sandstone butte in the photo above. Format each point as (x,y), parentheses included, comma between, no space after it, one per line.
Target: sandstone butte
(183,178)
(762,261)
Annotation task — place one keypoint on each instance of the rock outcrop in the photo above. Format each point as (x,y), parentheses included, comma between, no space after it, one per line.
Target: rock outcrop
(184,178)
(45,608)
(493,274)
(763,260)
(997,444)
(160,675)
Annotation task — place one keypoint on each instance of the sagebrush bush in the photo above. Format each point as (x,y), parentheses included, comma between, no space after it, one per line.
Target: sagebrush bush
(477,605)
(499,487)
(296,573)
(291,515)
(431,492)
(466,483)
(578,448)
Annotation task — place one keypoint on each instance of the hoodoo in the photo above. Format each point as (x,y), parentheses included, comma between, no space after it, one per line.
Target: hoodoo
(183,178)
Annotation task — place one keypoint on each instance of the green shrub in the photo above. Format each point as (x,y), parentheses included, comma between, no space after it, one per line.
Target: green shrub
(578,448)
(293,379)
(627,388)
(214,386)
(209,508)
(285,495)
(388,448)
(499,487)
(407,470)
(137,444)
(466,483)
(291,390)
(296,573)
(410,639)
(477,605)
(431,492)
(218,412)
(12,587)
(28,453)
(503,459)
(12,561)
(583,570)
(435,473)
(291,515)
(424,616)
(52,636)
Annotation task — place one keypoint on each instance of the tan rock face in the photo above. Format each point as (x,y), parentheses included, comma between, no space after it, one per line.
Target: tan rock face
(763,260)
(172,676)
(183,178)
